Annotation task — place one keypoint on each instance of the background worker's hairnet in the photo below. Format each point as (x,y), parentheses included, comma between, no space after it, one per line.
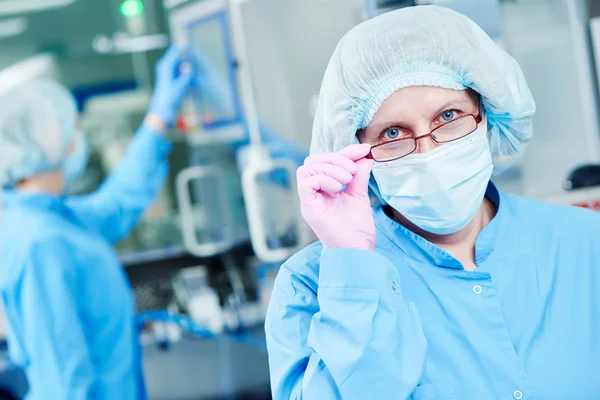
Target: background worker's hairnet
(37,124)
(422,46)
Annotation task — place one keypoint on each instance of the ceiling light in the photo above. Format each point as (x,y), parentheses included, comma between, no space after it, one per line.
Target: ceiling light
(173,3)
(122,44)
(131,8)
(12,27)
(9,7)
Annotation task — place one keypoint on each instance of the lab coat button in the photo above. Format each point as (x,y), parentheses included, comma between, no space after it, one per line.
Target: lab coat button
(477,290)
(518,395)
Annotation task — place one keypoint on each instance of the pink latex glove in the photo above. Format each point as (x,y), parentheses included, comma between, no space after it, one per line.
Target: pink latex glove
(340,219)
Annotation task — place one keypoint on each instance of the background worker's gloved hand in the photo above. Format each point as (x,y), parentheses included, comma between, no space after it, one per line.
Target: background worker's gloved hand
(340,217)
(172,84)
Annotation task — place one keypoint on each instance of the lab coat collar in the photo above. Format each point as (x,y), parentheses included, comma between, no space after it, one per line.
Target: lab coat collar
(419,249)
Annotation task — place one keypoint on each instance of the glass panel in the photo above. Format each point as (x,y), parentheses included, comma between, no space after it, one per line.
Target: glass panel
(215,91)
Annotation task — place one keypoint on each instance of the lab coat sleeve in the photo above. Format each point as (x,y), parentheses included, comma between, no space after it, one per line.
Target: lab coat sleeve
(351,336)
(54,338)
(116,207)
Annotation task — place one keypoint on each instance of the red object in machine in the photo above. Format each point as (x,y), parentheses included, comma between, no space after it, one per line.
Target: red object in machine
(592,205)
(181,124)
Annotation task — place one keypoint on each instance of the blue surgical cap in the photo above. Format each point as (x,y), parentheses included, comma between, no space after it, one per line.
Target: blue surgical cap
(422,46)
(37,124)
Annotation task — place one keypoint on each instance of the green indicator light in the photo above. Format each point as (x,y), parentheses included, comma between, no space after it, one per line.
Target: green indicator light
(131,8)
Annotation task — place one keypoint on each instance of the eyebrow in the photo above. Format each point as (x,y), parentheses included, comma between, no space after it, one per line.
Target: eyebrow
(456,103)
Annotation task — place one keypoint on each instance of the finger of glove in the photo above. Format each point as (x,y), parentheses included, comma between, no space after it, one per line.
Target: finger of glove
(310,187)
(330,170)
(356,151)
(167,67)
(172,56)
(183,83)
(360,182)
(334,159)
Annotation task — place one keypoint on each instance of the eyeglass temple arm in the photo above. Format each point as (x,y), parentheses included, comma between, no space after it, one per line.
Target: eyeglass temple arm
(479,116)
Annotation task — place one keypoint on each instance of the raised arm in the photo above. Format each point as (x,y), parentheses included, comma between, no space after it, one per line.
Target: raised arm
(116,207)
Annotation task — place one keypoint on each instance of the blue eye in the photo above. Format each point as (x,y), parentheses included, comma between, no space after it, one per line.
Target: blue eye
(392,133)
(448,115)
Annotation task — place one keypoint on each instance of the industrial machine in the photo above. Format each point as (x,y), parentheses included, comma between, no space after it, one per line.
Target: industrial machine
(214,29)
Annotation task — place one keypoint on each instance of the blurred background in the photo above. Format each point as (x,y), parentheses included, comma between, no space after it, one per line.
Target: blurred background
(211,245)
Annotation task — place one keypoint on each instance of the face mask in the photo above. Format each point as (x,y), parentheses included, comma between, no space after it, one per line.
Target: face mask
(76,162)
(442,190)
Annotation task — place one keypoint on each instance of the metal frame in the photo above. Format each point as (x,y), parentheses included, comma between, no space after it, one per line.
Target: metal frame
(431,135)
(186,210)
(238,115)
(181,21)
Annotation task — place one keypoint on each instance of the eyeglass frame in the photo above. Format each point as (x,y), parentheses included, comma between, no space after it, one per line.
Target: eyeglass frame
(478,118)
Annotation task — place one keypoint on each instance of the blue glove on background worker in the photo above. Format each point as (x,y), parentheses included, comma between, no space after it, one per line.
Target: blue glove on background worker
(69,305)
(174,78)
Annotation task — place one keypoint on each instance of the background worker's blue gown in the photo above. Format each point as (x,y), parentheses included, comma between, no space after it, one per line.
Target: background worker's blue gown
(68,302)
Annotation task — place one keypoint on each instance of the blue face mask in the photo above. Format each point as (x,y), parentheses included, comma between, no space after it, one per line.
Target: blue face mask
(76,162)
(442,190)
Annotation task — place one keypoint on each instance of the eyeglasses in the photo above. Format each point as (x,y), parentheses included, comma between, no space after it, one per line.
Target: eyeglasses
(449,132)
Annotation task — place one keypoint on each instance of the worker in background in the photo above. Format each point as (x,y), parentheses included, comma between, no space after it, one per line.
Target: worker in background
(69,306)
(450,289)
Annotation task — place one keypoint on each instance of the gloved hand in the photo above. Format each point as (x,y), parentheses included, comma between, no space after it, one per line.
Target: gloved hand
(339,218)
(172,84)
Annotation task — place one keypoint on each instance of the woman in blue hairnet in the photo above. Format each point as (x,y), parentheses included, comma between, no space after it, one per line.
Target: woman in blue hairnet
(68,303)
(449,289)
